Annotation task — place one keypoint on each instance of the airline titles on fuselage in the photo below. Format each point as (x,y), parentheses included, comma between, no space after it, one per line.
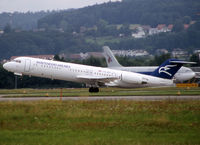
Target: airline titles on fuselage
(73,69)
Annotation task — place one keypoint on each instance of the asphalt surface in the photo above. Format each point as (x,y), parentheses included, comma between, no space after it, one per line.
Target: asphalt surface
(93,98)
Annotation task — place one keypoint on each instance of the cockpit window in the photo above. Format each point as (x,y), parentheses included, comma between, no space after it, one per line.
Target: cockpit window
(187,70)
(18,61)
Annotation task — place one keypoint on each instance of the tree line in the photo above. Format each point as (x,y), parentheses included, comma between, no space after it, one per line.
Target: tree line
(41,43)
(145,12)
(22,21)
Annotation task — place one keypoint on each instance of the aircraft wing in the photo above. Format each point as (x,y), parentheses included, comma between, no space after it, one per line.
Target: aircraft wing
(96,79)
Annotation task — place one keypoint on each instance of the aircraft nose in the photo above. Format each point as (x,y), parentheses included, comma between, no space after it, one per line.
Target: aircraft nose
(6,66)
(193,74)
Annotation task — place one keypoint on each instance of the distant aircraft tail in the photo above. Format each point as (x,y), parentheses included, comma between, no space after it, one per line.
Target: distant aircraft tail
(110,58)
(169,68)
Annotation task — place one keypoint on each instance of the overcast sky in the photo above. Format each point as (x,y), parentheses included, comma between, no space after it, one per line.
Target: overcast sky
(37,5)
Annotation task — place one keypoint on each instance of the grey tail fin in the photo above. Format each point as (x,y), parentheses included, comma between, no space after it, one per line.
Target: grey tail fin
(110,58)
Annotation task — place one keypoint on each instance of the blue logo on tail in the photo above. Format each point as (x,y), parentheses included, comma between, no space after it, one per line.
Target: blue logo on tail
(165,69)
(168,69)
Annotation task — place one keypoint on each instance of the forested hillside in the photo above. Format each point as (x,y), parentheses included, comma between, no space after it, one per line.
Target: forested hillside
(187,40)
(88,29)
(23,21)
(53,42)
(146,12)
(38,43)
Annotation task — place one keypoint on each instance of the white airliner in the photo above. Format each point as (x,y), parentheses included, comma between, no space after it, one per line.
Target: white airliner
(93,76)
(182,75)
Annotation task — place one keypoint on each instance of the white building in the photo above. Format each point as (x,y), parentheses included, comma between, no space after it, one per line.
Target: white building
(153,31)
(140,33)
(130,53)
(1,32)
(179,53)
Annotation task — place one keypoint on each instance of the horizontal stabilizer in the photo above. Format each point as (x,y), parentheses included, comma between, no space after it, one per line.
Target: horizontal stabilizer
(182,62)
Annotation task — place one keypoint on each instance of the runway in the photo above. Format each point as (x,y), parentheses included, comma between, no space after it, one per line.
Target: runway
(108,98)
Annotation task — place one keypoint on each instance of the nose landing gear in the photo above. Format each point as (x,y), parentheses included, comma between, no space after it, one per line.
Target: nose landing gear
(93,90)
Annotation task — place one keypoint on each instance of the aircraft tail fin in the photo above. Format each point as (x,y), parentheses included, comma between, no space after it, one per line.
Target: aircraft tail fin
(110,58)
(169,68)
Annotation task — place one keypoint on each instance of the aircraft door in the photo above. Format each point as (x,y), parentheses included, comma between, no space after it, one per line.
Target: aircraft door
(27,65)
(120,77)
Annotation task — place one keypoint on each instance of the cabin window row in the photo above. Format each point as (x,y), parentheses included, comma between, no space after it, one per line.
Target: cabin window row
(77,70)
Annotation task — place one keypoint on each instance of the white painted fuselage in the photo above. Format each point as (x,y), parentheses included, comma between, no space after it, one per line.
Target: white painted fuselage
(182,75)
(93,76)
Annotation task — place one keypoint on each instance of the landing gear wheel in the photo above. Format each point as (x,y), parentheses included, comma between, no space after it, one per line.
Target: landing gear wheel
(96,90)
(93,90)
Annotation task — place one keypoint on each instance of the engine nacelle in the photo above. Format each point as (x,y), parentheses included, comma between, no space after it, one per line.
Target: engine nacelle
(131,78)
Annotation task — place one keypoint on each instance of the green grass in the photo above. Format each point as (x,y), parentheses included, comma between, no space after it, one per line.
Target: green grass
(99,122)
(103,92)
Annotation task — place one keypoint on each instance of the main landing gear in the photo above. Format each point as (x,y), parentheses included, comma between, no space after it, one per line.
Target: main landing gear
(93,90)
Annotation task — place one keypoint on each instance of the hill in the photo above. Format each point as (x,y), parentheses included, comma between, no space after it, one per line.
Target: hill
(23,21)
(89,28)
(146,12)
(38,43)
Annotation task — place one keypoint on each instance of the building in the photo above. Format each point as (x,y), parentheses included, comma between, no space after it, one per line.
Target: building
(179,53)
(161,51)
(95,54)
(170,27)
(197,52)
(75,56)
(130,53)
(1,32)
(161,28)
(81,56)
(153,31)
(140,33)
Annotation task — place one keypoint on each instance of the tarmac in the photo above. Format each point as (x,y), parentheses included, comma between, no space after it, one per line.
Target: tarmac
(106,98)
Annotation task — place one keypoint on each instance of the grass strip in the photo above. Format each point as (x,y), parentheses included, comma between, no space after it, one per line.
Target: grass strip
(100,122)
